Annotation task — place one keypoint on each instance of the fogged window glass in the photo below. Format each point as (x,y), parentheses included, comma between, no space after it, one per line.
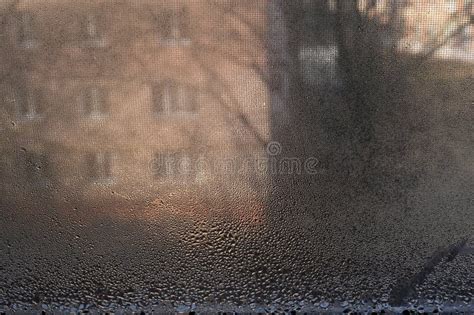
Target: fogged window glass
(247,156)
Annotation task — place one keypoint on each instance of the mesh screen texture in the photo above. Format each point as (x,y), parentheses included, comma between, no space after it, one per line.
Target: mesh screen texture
(260,156)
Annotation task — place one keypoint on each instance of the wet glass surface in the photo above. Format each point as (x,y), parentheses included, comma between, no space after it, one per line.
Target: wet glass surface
(236,156)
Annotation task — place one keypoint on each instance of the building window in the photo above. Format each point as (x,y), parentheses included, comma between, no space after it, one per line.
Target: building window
(177,165)
(319,65)
(92,31)
(99,166)
(171,97)
(28,103)
(451,6)
(332,5)
(26,35)
(173,26)
(94,101)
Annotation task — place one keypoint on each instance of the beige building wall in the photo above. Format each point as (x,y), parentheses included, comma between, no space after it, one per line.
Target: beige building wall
(67,51)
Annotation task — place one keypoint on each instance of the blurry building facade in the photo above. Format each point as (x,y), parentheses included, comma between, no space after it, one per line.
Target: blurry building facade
(139,98)
(133,99)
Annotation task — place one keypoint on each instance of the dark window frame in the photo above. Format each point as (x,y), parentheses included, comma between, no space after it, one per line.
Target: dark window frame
(173,98)
(100,166)
(95,101)
(173,26)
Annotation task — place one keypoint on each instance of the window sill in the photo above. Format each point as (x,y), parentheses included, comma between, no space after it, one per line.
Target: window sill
(96,116)
(30,118)
(95,43)
(29,44)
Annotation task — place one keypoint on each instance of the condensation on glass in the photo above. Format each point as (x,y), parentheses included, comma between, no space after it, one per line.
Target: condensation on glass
(235,155)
